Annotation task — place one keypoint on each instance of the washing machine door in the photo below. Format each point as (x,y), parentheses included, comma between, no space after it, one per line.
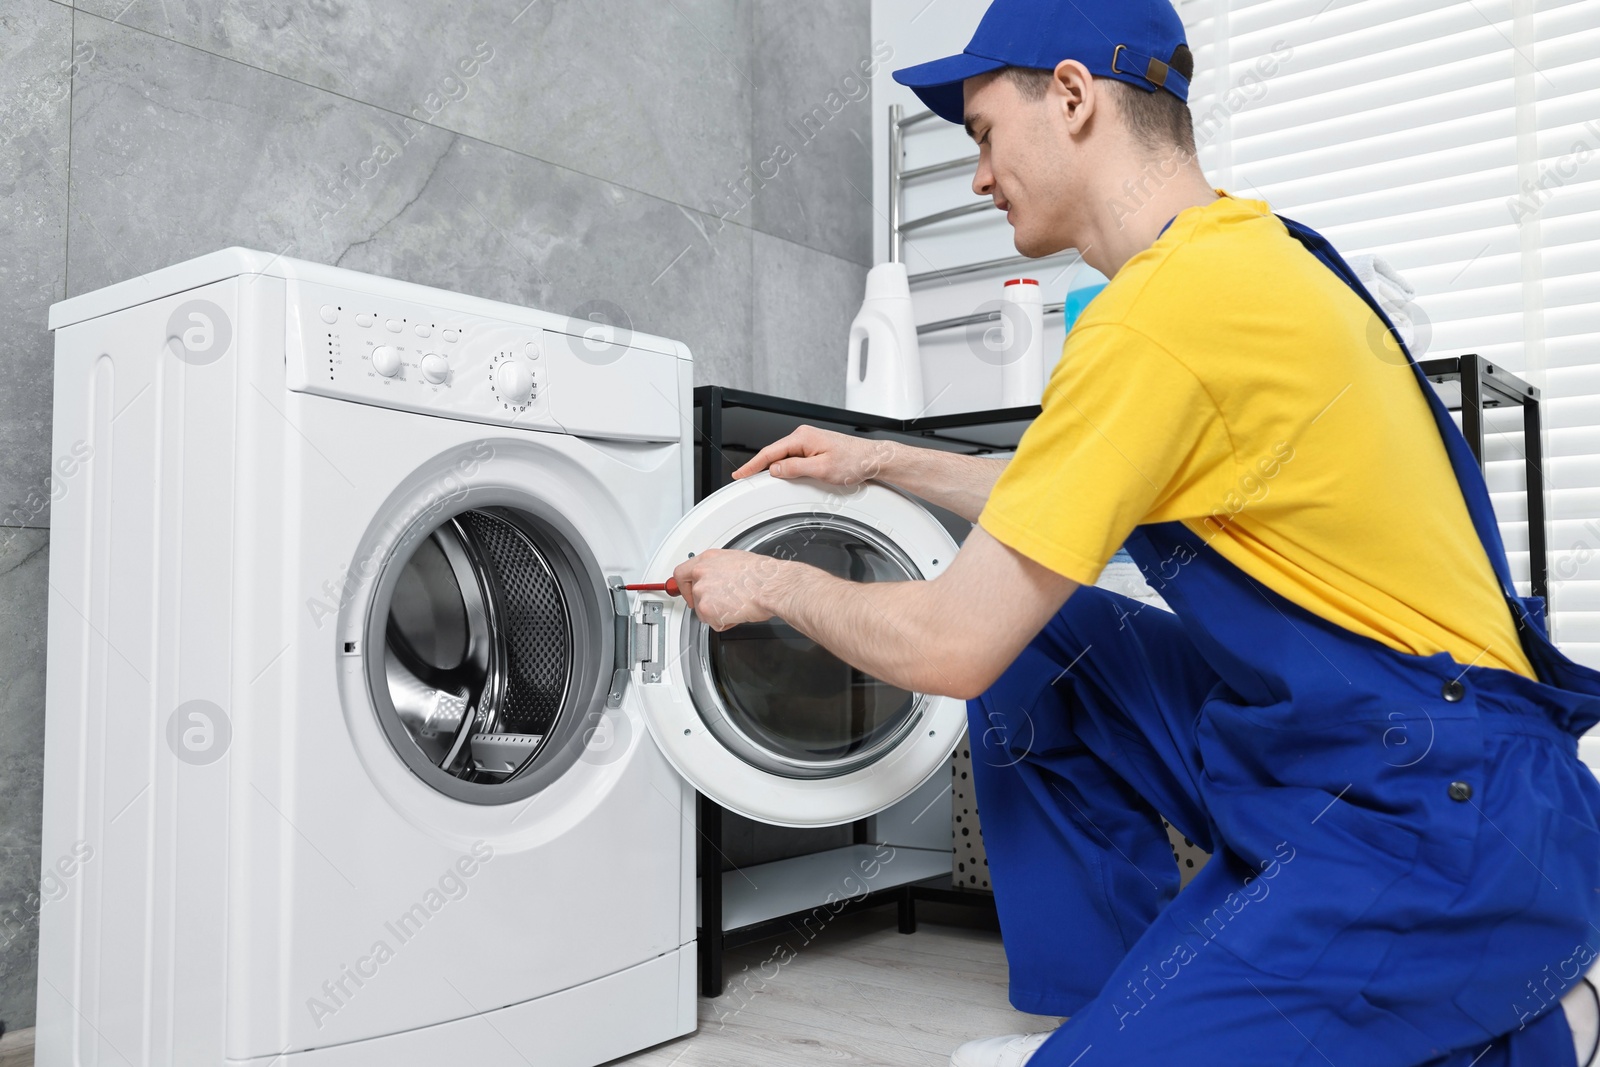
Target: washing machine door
(759,717)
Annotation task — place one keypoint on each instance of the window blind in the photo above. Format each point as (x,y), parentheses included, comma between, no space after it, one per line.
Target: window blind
(1459,139)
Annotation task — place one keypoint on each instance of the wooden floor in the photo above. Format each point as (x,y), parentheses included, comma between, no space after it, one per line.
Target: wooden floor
(16,1048)
(860,993)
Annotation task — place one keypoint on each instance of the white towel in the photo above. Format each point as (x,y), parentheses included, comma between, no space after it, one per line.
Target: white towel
(1385,283)
(1377,270)
(1394,294)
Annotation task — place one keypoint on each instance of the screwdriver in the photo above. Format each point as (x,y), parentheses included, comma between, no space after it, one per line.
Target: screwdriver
(669,587)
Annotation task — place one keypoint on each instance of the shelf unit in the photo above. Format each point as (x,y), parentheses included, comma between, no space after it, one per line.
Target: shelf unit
(1472,385)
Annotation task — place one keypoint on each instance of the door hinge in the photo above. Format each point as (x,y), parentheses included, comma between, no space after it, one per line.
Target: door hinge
(648,628)
(638,640)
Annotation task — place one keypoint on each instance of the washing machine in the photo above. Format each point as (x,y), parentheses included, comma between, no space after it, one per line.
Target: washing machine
(357,752)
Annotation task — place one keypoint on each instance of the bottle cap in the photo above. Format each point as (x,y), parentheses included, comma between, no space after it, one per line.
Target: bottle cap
(1022,281)
(888,281)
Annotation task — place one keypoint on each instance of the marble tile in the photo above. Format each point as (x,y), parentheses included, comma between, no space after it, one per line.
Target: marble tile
(36,66)
(503,226)
(653,96)
(177,153)
(286,167)
(803,304)
(24,570)
(812,124)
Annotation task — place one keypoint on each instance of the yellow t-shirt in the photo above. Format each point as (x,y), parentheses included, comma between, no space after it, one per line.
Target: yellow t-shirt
(1227,380)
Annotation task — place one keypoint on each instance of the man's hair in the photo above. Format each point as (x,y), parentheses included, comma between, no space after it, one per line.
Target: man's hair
(1157,120)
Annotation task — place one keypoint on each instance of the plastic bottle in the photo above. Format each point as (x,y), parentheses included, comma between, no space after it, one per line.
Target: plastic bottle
(883,374)
(1022,373)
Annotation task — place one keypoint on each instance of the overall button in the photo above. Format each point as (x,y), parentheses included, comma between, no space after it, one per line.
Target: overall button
(364,319)
(424,331)
(1460,791)
(330,314)
(1454,691)
(393,326)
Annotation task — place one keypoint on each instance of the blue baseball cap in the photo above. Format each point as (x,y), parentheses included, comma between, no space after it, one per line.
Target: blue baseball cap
(1130,40)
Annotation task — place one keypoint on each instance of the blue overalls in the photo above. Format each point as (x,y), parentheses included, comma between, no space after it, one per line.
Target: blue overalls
(1406,851)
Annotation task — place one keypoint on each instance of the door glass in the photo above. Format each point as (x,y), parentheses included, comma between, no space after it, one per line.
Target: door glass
(781,701)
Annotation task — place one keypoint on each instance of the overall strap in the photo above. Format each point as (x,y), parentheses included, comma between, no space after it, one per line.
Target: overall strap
(1468,474)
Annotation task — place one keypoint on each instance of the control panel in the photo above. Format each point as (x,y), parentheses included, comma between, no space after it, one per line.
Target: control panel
(553,373)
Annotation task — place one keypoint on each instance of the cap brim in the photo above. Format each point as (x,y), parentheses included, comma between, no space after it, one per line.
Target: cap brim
(938,84)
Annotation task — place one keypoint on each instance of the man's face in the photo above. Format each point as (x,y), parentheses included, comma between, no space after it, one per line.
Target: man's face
(1026,161)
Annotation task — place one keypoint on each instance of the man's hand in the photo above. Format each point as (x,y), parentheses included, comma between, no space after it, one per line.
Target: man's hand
(835,458)
(959,483)
(952,636)
(726,587)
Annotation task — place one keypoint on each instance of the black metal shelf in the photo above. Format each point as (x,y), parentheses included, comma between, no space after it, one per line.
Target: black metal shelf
(1479,386)
(741,422)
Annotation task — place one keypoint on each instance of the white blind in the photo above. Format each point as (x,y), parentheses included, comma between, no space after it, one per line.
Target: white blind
(1459,139)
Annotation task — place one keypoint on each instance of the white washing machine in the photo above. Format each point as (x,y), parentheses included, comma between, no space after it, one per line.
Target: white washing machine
(356,754)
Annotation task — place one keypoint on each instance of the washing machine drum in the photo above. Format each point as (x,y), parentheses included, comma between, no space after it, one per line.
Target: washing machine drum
(479,662)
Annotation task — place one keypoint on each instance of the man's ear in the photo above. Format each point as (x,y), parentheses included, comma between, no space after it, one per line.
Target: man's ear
(1072,90)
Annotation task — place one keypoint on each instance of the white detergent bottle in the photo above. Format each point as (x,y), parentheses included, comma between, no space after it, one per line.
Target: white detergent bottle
(883,373)
(1022,373)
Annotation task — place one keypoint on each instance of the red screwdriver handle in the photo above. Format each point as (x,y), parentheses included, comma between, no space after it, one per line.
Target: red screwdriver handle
(669,587)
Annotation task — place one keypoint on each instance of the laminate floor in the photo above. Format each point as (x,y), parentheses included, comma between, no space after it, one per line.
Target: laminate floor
(16,1048)
(860,993)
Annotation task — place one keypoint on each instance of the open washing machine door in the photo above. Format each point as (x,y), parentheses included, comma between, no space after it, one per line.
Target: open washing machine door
(759,717)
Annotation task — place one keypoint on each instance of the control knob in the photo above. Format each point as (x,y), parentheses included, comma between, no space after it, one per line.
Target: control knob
(386,360)
(514,382)
(435,368)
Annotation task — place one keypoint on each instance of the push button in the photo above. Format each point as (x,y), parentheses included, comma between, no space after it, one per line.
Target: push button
(1460,791)
(1454,691)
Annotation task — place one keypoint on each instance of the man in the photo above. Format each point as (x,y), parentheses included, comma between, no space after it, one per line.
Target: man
(1348,705)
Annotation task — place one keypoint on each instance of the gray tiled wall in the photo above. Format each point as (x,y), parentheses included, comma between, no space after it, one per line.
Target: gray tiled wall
(704,165)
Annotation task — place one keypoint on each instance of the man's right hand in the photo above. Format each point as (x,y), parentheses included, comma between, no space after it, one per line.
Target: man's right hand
(835,458)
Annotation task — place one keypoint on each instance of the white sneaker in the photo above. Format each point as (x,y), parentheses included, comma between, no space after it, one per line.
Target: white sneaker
(1582,1008)
(1013,1050)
